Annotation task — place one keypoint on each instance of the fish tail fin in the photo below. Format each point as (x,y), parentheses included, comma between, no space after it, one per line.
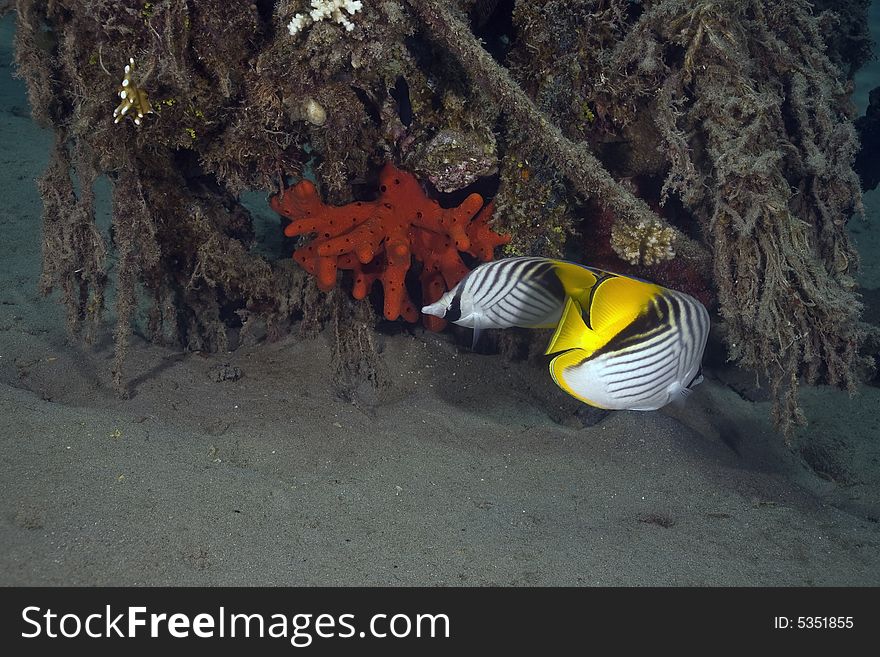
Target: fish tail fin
(572,332)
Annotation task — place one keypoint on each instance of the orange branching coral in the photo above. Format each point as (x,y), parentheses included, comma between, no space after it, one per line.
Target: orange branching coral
(378,239)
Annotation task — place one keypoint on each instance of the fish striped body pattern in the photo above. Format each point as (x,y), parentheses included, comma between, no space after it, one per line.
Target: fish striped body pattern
(525,292)
(647,363)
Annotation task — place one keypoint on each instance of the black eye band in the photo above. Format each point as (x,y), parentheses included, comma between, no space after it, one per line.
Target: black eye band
(454,311)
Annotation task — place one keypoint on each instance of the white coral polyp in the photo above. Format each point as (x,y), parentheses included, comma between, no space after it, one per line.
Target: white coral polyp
(647,242)
(322,9)
(297,24)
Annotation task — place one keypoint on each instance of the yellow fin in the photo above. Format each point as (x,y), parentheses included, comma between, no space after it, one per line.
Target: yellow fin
(617,302)
(577,280)
(557,370)
(572,331)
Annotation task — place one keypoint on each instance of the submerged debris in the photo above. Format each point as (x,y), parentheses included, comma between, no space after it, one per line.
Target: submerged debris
(758,149)
(732,114)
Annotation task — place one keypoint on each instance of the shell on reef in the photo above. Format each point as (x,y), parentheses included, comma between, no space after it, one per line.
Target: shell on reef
(453,159)
(306,109)
(314,112)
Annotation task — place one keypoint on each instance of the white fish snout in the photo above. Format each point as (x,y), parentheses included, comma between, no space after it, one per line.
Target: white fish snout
(437,309)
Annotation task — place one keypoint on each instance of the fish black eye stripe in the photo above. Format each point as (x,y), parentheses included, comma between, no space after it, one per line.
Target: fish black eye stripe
(454,312)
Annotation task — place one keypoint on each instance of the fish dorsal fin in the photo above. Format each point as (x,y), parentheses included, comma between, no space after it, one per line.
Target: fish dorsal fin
(577,280)
(572,332)
(617,301)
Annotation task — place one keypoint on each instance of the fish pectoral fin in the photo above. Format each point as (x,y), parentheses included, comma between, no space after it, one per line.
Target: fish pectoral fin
(477,332)
(618,301)
(572,332)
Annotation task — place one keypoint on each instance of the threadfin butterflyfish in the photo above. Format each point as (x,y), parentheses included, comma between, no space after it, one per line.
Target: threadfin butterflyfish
(633,345)
(622,343)
(528,292)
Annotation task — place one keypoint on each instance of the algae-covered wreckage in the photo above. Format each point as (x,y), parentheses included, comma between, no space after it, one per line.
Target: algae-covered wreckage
(705,145)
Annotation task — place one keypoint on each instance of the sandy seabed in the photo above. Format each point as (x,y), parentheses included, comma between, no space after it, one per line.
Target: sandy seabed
(247,468)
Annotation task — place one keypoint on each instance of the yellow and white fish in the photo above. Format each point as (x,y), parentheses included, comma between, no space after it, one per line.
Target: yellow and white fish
(625,343)
(633,345)
(528,292)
